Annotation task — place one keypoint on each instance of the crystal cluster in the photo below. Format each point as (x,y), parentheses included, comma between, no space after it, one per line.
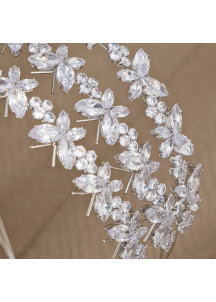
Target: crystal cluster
(60,134)
(60,64)
(105,111)
(139,79)
(179,168)
(15,89)
(140,164)
(156,110)
(42,110)
(128,235)
(119,54)
(128,137)
(188,192)
(171,134)
(88,86)
(86,160)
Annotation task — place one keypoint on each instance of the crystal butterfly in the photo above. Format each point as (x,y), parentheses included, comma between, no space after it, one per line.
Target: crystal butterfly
(60,137)
(171,134)
(163,217)
(100,187)
(141,82)
(140,166)
(59,64)
(14,89)
(128,235)
(105,113)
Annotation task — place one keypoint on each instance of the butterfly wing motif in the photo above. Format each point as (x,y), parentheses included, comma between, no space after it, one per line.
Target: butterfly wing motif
(171,134)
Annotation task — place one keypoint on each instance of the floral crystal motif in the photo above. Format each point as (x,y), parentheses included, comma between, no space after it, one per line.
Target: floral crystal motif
(171,134)
(140,164)
(58,63)
(129,235)
(14,89)
(61,135)
(105,111)
(42,110)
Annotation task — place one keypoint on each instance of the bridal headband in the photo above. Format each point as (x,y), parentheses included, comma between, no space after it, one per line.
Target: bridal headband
(161,212)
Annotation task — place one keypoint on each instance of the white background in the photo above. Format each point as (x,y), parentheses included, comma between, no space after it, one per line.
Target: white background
(107,21)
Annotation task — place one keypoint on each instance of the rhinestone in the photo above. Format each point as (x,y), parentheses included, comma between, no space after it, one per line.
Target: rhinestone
(125,206)
(161,106)
(81,164)
(93,82)
(96,93)
(38,113)
(133,134)
(160,118)
(91,156)
(124,140)
(81,78)
(116,202)
(151,111)
(34,102)
(151,101)
(91,168)
(123,128)
(49,117)
(80,151)
(133,146)
(47,105)
(85,88)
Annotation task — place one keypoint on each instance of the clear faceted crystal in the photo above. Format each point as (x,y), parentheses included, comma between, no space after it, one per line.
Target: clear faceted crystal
(18,102)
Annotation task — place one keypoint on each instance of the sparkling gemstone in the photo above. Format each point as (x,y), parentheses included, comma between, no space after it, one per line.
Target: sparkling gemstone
(18,102)
(63,122)
(123,128)
(154,87)
(81,78)
(160,118)
(194,180)
(116,202)
(130,160)
(91,156)
(183,145)
(113,46)
(140,184)
(133,146)
(38,113)
(93,82)
(49,117)
(125,207)
(132,134)
(65,153)
(76,133)
(34,102)
(166,148)
(151,101)
(65,76)
(161,106)
(124,50)
(161,189)
(15,48)
(135,91)
(115,185)
(81,164)
(79,151)
(116,214)
(124,140)
(14,74)
(89,183)
(141,62)
(125,218)
(108,98)
(90,107)
(110,129)
(115,56)
(27,84)
(151,112)
(96,93)
(155,214)
(104,171)
(127,75)
(47,105)
(153,184)
(62,51)
(45,133)
(119,111)
(90,45)
(91,168)
(126,62)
